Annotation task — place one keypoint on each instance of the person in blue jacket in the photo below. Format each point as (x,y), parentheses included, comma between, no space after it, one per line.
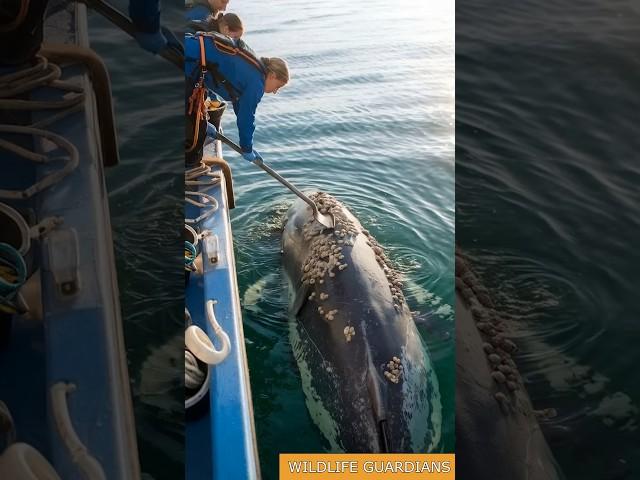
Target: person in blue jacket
(237,75)
(21,30)
(200,10)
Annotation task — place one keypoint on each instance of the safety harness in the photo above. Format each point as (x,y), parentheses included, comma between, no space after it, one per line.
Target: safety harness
(197,100)
(197,107)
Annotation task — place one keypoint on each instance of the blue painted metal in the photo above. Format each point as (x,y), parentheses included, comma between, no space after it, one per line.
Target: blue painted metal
(79,339)
(220,441)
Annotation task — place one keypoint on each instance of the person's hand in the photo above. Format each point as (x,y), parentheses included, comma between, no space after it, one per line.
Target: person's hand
(151,42)
(252,156)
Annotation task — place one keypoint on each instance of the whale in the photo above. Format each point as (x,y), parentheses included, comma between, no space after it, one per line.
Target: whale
(368,381)
(498,431)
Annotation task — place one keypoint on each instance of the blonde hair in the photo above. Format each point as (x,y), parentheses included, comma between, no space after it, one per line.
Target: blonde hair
(278,67)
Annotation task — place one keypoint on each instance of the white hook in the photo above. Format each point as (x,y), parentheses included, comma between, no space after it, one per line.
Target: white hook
(197,341)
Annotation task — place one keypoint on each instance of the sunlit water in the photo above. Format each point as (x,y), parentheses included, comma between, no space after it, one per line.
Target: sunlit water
(547,201)
(368,117)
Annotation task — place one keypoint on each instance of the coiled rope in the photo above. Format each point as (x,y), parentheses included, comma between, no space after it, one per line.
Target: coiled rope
(200,198)
(190,254)
(41,74)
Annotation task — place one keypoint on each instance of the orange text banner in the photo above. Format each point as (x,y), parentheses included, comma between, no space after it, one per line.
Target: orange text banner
(375,466)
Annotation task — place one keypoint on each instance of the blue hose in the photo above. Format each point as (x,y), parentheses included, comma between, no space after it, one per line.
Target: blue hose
(189,253)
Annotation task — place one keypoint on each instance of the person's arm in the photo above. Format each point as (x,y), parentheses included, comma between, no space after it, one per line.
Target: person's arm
(245,110)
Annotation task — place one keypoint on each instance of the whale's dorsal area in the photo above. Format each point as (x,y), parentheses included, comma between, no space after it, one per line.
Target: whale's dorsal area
(367,378)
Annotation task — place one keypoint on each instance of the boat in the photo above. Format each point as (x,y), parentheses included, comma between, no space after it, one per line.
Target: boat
(220,431)
(65,403)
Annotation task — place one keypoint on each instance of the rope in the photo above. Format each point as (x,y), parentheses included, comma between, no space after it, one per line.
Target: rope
(190,253)
(21,82)
(13,274)
(200,198)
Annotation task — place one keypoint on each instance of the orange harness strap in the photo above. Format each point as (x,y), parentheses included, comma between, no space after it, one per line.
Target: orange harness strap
(229,50)
(197,99)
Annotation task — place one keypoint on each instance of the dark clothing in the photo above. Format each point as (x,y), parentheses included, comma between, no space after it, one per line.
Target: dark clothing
(145,15)
(21,44)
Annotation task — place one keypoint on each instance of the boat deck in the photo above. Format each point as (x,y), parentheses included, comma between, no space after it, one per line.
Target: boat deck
(67,355)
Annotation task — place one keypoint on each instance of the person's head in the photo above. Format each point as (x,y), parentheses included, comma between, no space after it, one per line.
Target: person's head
(277,74)
(230,25)
(218,5)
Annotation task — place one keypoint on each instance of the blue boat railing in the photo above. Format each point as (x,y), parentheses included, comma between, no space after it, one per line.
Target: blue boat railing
(220,438)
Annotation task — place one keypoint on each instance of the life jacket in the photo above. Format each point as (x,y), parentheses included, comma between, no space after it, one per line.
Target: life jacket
(227,46)
(196,106)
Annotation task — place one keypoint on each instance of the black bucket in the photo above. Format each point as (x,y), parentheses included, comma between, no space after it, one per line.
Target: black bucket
(215,114)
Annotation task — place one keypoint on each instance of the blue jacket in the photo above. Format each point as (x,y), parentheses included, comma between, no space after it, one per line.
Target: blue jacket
(198,12)
(246,79)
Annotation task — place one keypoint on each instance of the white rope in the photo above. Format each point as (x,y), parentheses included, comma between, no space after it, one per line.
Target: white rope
(42,74)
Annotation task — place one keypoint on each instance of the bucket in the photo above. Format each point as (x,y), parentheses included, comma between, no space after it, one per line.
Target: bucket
(193,396)
(215,108)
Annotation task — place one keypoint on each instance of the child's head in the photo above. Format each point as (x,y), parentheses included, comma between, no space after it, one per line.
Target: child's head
(230,25)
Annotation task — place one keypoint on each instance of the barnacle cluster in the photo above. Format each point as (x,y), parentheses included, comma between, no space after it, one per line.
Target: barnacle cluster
(326,256)
(497,348)
(394,370)
(349,332)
